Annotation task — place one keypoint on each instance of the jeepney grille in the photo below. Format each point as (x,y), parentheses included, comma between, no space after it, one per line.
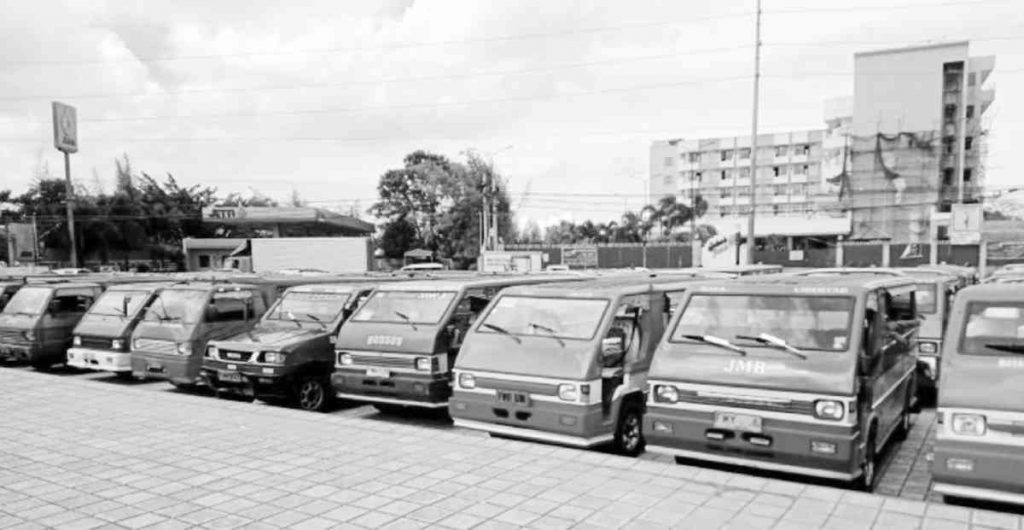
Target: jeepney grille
(94,342)
(11,336)
(405,361)
(155,346)
(234,355)
(791,407)
(543,389)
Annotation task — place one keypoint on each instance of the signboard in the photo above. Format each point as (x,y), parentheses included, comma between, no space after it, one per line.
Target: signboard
(965,224)
(495,262)
(65,128)
(582,257)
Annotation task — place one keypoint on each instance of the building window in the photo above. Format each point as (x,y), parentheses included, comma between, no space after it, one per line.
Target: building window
(967,175)
(744,153)
(781,150)
(744,172)
(667,179)
(799,189)
(805,149)
(694,158)
(726,154)
(775,209)
(204,261)
(780,190)
(948,144)
(668,161)
(698,176)
(949,112)
(723,174)
(971,79)
(725,193)
(743,191)
(725,211)
(800,170)
(947,176)
(968,142)
(970,111)
(743,210)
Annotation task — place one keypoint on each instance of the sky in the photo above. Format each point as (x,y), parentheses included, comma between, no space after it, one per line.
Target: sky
(321,97)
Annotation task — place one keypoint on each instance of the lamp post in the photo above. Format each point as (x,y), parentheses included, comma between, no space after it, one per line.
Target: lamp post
(645,218)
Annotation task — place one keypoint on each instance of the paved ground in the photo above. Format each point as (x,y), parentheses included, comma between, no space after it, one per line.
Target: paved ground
(77,453)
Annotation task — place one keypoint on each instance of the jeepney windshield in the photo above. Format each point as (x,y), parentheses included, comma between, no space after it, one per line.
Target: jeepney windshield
(416,307)
(320,307)
(29,301)
(112,303)
(993,328)
(925,298)
(565,318)
(804,322)
(178,305)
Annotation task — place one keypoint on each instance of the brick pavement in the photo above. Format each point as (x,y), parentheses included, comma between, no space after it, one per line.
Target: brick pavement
(81,454)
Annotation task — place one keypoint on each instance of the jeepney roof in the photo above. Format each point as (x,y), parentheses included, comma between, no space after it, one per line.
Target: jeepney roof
(323,288)
(146,286)
(852,284)
(607,286)
(210,286)
(65,285)
(938,275)
(846,271)
(992,291)
(474,282)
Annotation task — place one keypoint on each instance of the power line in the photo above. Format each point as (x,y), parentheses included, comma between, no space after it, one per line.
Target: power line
(886,7)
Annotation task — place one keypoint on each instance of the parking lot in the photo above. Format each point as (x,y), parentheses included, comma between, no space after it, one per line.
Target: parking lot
(84,450)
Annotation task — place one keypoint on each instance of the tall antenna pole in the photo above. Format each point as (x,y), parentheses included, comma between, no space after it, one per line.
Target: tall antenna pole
(753,138)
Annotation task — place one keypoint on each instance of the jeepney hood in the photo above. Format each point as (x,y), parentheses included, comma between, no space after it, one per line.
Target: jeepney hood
(388,337)
(272,337)
(106,326)
(19,322)
(537,356)
(172,330)
(982,382)
(822,373)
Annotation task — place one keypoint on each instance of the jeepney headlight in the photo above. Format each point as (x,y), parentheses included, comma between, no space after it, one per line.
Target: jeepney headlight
(828,409)
(212,352)
(77,341)
(467,381)
(185,348)
(135,344)
(425,364)
(969,424)
(927,347)
(666,394)
(29,335)
(274,357)
(117,344)
(345,359)
(568,392)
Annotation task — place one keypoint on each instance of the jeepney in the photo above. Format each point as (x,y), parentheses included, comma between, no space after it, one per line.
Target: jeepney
(979,440)
(36,323)
(102,338)
(289,355)
(565,363)
(936,289)
(171,339)
(808,375)
(397,350)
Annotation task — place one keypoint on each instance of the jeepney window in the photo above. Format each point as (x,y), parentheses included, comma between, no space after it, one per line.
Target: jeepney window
(177,305)
(993,328)
(926,298)
(232,306)
(64,303)
(417,307)
(308,307)
(112,303)
(564,318)
(28,301)
(805,322)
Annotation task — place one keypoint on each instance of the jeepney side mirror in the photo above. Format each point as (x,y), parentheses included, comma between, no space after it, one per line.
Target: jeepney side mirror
(124,305)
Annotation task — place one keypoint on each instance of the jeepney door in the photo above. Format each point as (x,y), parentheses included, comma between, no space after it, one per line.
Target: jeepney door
(64,311)
(623,345)
(898,331)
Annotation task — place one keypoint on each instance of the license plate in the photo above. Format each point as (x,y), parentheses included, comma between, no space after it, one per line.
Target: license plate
(515,398)
(737,422)
(232,367)
(88,357)
(378,372)
(229,377)
(155,369)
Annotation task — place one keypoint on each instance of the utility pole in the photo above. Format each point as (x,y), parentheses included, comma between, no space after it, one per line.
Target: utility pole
(35,241)
(753,137)
(693,220)
(70,193)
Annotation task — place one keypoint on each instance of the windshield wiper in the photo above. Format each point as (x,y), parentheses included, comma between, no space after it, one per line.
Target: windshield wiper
(551,332)
(1012,348)
(503,331)
(717,341)
(406,318)
(291,317)
(775,342)
(317,320)
(163,316)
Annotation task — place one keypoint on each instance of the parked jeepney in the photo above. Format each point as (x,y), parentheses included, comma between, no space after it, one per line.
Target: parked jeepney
(748,270)
(172,337)
(565,362)
(808,375)
(289,355)
(101,340)
(936,289)
(397,350)
(979,441)
(36,323)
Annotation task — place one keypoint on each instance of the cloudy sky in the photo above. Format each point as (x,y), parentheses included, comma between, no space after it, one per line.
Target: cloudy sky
(323,96)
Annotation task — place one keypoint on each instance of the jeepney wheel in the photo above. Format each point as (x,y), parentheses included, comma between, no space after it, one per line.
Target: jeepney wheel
(867,477)
(311,395)
(42,366)
(903,430)
(629,438)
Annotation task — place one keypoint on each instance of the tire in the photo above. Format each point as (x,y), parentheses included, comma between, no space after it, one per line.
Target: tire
(866,482)
(42,366)
(312,394)
(903,429)
(123,376)
(629,437)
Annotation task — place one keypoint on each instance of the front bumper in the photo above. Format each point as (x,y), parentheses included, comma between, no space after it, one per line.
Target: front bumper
(425,390)
(996,471)
(103,360)
(547,421)
(14,352)
(248,379)
(178,369)
(692,434)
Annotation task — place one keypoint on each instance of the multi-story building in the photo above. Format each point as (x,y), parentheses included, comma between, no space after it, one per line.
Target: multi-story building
(908,143)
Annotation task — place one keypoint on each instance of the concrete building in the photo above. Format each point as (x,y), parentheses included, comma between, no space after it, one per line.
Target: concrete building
(888,163)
